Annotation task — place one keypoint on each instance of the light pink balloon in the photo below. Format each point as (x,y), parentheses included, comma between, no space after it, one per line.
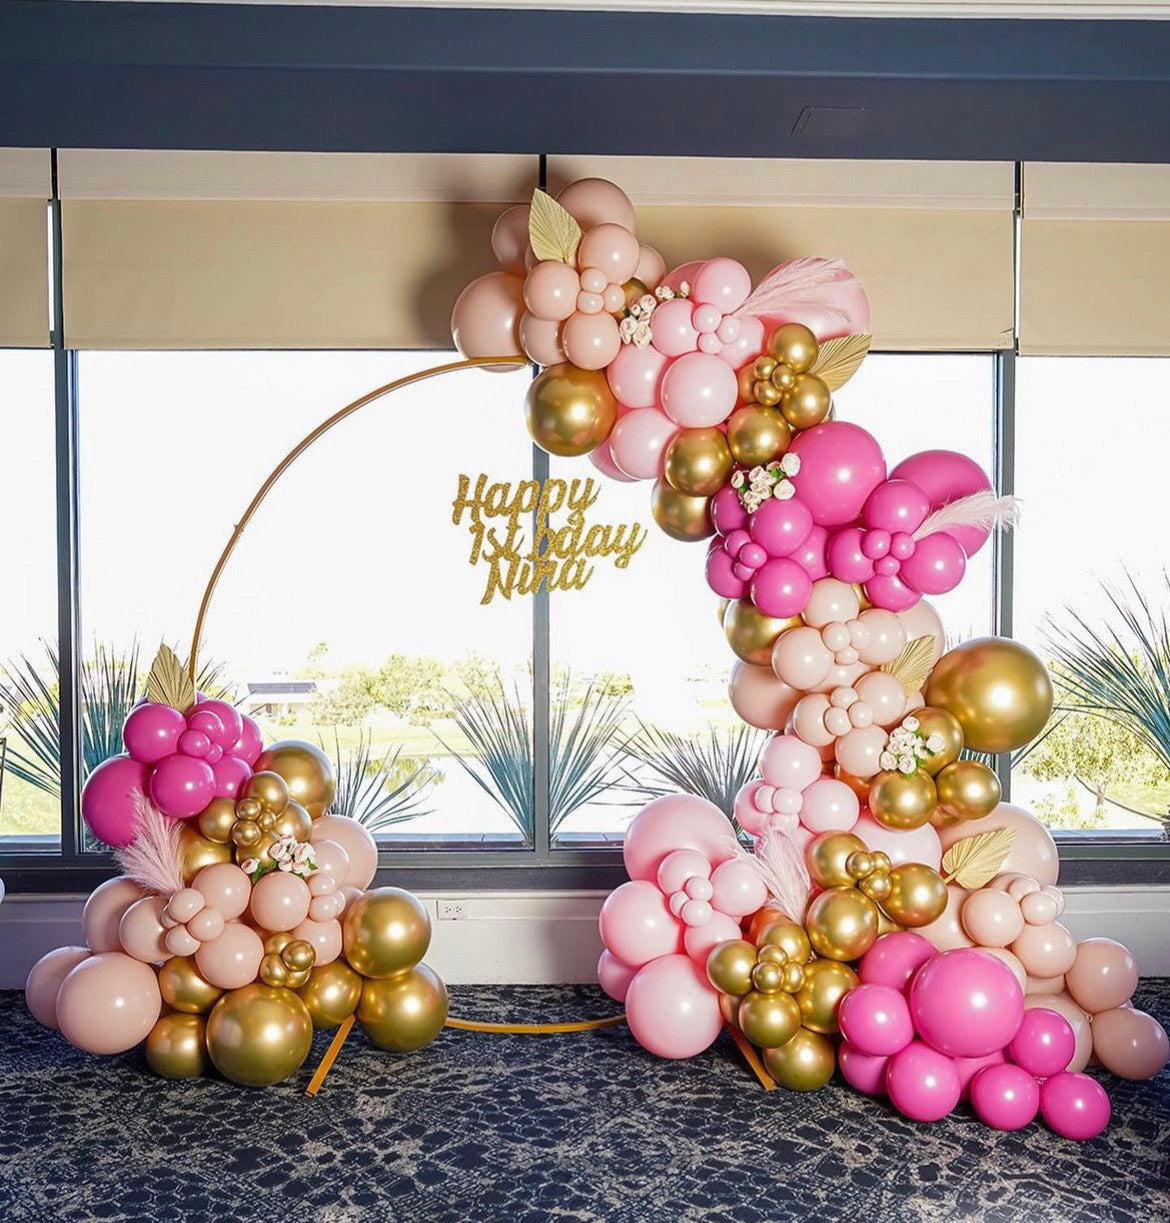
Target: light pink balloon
(829,806)
(946,931)
(108,1003)
(738,888)
(683,274)
(591,341)
(671,1008)
(550,291)
(613,976)
(1129,1043)
(637,924)
(675,821)
(859,752)
(634,375)
(280,901)
(233,959)
(1078,1020)
(485,321)
(723,283)
(224,887)
(510,237)
(638,441)
(357,841)
(747,346)
(325,937)
(611,248)
(992,918)
(332,857)
(541,340)
(597,201)
(651,267)
(1033,851)
(1045,951)
(1103,975)
(698,940)
(44,982)
(787,763)
(759,697)
(103,912)
(141,931)
(749,817)
(699,390)
(602,458)
(671,331)
(676,868)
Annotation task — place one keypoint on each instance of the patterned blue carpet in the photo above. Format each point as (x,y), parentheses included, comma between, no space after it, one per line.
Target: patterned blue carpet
(557,1129)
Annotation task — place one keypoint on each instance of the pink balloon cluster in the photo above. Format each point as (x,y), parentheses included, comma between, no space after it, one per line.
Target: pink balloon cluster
(179,761)
(793,797)
(928,1028)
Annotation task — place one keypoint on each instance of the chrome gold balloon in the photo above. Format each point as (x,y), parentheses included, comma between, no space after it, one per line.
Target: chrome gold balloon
(827,854)
(756,435)
(570,411)
(183,989)
(273,970)
(807,403)
(729,966)
(841,923)
(859,785)
(768,1020)
(998,690)
(331,993)
(917,895)
(216,820)
(269,789)
(404,1012)
(794,345)
(751,634)
(765,915)
(902,800)
(385,931)
(299,955)
(681,516)
(805,1063)
(176,1047)
(942,722)
(259,1035)
(788,935)
(294,821)
(885,925)
(306,769)
(199,852)
(697,462)
(634,289)
(968,790)
(826,982)
(729,1008)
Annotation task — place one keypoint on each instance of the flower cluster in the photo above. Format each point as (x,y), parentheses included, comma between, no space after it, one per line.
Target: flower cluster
(634,328)
(908,747)
(758,485)
(285,854)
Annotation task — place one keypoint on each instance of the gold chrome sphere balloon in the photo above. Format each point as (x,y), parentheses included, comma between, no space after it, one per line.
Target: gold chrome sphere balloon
(794,345)
(943,723)
(294,821)
(807,403)
(917,895)
(768,1020)
(826,982)
(306,769)
(751,634)
(258,1035)
(998,690)
(331,993)
(680,515)
(789,936)
(805,1063)
(841,923)
(183,989)
(968,790)
(902,801)
(176,1047)
(198,851)
(216,820)
(569,410)
(729,966)
(385,931)
(697,462)
(405,1012)
(827,854)
(756,435)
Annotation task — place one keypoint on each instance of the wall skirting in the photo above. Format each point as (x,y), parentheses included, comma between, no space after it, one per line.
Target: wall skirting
(535,938)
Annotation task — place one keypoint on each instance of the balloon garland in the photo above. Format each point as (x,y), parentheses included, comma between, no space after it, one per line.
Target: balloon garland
(883,911)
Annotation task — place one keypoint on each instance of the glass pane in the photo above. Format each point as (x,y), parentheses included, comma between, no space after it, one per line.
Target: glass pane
(1093,488)
(30,767)
(649,634)
(349,614)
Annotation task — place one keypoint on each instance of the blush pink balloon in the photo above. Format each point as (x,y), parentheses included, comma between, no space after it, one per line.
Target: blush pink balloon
(966,1004)
(280,901)
(141,931)
(894,959)
(591,341)
(541,340)
(182,786)
(597,201)
(205,925)
(992,918)
(1005,1097)
(946,931)
(922,1083)
(612,248)
(228,776)
(780,587)
(671,1008)
(841,465)
(1033,851)
(485,321)
(651,267)
(637,924)
(1045,951)
(224,887)
(698,390)
(671,331)
(108,1003)
(358,843)
(859,753)
(1044,1044)
(721,282)
(550,291)
(638,441)
(945,476)
(1102,976)
(613,976)
(675,821)
(332,857)
(103,912)
(913,845)
(44,982)
(108,798)
(738,888)
(759,698)
(922,620)
(510,237)
(602,458)
(875,1019)
(862,1071)
(233,959)
(829,806)
(325,937)
(250,743)
(1074,1105)
(787,763)
(699,940)
(634,375)
(152,731)
(1130,1043)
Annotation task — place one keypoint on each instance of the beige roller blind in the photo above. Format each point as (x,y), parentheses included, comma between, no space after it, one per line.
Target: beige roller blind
(1095,260)
(24,248)
(234,250)
(932,241)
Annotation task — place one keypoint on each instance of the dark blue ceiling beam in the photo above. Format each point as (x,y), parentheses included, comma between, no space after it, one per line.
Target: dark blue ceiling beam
(112,75)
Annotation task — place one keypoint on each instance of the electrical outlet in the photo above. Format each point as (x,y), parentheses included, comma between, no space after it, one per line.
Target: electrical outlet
(451,910)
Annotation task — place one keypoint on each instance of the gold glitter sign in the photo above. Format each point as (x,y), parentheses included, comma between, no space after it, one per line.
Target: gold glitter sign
(500,516)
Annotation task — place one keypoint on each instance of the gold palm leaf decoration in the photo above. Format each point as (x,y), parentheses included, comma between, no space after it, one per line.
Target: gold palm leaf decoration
(912,666)
(838,360)
(169,682)
(552,231)
(977,860)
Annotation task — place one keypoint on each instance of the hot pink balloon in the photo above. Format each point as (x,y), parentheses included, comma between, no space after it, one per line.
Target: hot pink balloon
(875,1019)
(922,1083)
(698,390)
(722,282)
(720,573)
(1005,1097)
(841,464)
(613,976)
(675,821)
(44,982)
(182,786)
(229,717)
(637,925)
(671,1008)
(780,587)
(108,798)
(229,774)
(152,731)
(638,441)
(894,959)
(1044,1044)
(862,1071)
(965,1003)
(108,1003)
(936,565)
(738,888)
(250,743)
(969,1067)
(945,476)
(781,527)
(634,375)
(1074,1105)
(726,511)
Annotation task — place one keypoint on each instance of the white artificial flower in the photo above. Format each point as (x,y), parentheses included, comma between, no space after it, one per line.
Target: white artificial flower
(642,336)
(663,293)
(921,750)
(907,764)
(910,723)
(888,761)
(755,474)
(790,464)
(785,490)
(684,289)
(935,743)
(737,479)
(647,301)
(249,865)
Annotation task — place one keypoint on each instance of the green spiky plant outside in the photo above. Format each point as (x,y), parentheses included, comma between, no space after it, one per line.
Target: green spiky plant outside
(380,792)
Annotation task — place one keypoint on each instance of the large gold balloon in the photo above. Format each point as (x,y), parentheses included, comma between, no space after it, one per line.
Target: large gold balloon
(751,634)
(259,1035)
(768,1020)
(826,982)
(199,852)
(176,1047)
(807,403)
(902,800)
(756,435)
(917,894)
(805,1063)
(404,1012)
(306,769)
(729,966)
(998,690)
(681,516)
(842,923)
(268,788)
(385,931)
(827,854)
(331,993)
(184,989)
(570,411)
(788,935)
(697,462)
(215,821)
(968,790)
(943,723)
